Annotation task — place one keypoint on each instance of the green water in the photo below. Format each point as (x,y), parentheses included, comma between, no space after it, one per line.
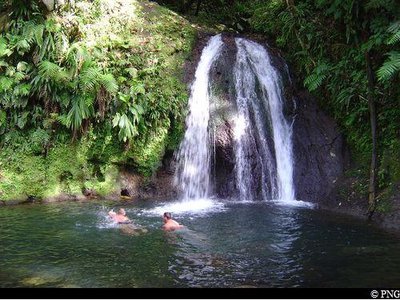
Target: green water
(229,245)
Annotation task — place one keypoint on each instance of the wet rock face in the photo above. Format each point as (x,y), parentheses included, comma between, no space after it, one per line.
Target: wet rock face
(320,154)
(222,111)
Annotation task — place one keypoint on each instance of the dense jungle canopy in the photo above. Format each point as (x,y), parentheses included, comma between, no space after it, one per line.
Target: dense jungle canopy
(88,88)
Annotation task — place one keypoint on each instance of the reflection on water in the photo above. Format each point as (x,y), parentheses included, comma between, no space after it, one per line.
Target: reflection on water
(232,245)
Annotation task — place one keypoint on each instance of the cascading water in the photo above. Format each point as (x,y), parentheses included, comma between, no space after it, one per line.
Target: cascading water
(261,141)
(193,157)
(260,118)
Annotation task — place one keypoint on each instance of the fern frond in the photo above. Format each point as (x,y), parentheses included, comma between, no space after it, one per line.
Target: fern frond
(22,46)
(315,79)
(109,83)
(4,51)
(395,30)
(47,46)
(76,55)
(389,67)
(51,71)
(38,34)
(23,89)
(18,76)
(33,32)
(344,97)
(27,30)
(3,117)
(6,83)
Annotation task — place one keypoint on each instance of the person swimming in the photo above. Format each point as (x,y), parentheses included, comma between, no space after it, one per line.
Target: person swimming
(120,216)
(127,226)
(169,223)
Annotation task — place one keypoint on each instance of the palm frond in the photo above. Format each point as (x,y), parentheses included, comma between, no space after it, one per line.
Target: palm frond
(78,112)
(52,72)
(89,78)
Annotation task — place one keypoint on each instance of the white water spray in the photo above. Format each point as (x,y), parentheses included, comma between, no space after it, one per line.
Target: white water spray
(193,157)
(260,115)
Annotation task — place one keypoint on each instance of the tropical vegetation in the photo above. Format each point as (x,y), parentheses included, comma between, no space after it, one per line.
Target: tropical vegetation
(91,86)
(86,88)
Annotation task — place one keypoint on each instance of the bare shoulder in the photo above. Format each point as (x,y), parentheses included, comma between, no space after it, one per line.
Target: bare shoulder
(172,227)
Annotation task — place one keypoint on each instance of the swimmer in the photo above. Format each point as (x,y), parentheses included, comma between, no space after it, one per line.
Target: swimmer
(169,223)
(119,217)
(126,225)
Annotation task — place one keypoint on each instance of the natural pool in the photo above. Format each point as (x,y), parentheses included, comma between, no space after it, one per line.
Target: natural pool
(224,244)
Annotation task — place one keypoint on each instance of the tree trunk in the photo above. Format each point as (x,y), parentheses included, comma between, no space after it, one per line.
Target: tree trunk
(374,160)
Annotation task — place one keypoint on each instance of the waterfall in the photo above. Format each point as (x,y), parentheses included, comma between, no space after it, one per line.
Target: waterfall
(193,157)
(260,118)
(262,137)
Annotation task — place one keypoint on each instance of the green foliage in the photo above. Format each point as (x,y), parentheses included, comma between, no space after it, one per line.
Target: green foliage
(394,29)
(390,67)
(67,168)
(126,128)
(104,182)
(175,135)
(146,153)
(103,147)
(22,177)
(315,79)
(48,71)
(106,74)
(39,140)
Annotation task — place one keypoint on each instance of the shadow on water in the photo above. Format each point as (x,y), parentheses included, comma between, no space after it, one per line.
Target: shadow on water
(257,244)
